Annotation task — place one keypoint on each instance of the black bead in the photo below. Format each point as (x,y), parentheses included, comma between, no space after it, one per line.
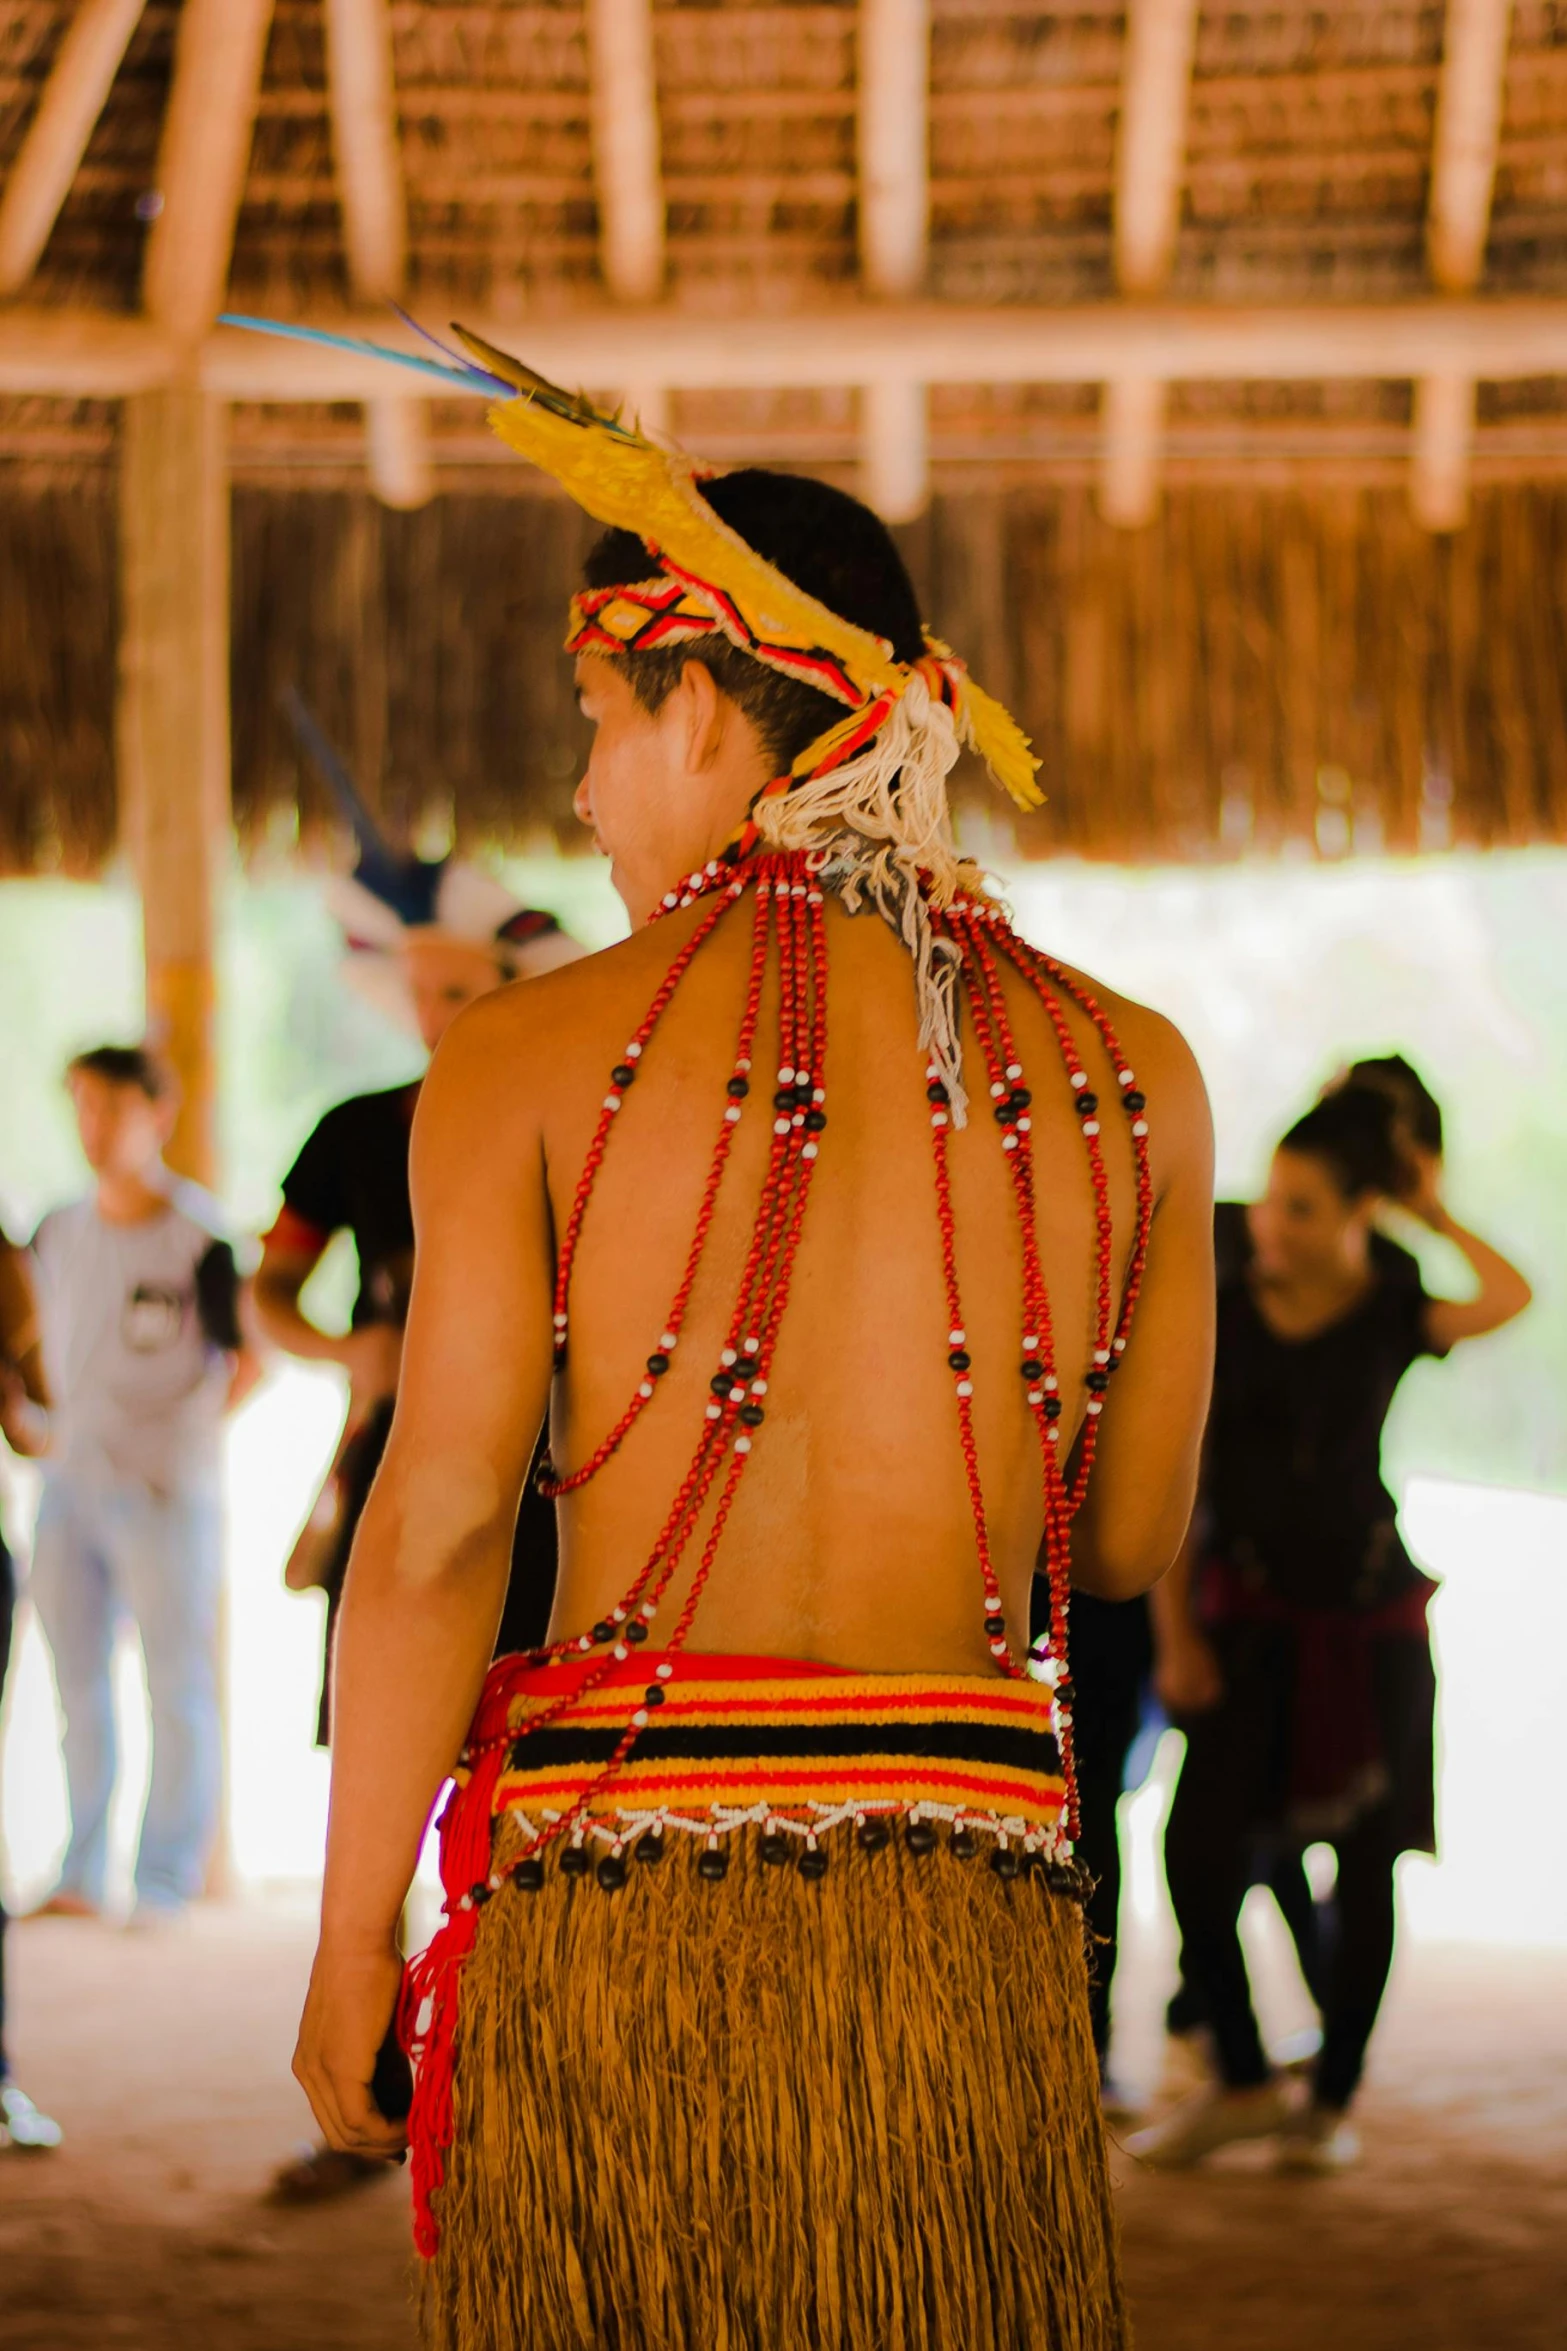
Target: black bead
(721,1382)
(622,1075)
(959,1359)
(529,1875)
(1052,1408)
(1098,1381)
(775,1846)
(936,1091)
(649,1847)
(815,1121)
(1087,1104)
(712,1862)
(1004,1114)
(746,1369)
(636,1630)
(752,1415)
(874,1836)
(995,1624)
(611,1873)
(1021,1097)
(575,1862)
(544,1475)
(603,1631)
(658,1363)
(1004,1861)
(803,1090)
(1033,1369)
(920,1837)
(1134,1101)
(963,1845)
(813,1862)
(737,1089)
(480,1894)
(784,1099)
(653,1695)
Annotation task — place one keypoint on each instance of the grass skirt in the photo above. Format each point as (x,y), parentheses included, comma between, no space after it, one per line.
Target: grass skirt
(777,2111)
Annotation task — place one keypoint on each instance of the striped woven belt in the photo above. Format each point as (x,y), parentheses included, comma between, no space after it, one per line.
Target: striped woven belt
(795,1749)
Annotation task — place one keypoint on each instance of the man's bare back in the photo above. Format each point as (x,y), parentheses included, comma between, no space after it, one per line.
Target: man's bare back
(852,1540)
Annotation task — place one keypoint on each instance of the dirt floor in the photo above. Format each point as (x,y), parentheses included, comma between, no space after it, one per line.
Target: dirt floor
(166,2059)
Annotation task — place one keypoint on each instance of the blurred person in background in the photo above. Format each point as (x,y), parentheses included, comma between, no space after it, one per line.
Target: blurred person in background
(145,1351)
(428,940)
(1113,1652)
(24,1424)
(1291,1635)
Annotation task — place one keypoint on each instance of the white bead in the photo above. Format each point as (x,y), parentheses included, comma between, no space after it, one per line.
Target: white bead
(645,1390)
(1009,1142)
(712,865)
(1030,1341)
(938,1118)
(737,1395)
(1120,1346)
(1139,1126)
(1051,1384)
(1036,1395)
(1025,1126)
(753,1345)
(617,1614)
(639,1719)
(743,1066)
(662,1673)
(732,1114)
(1014,1070)
(612,1101)
(996,1092)
(808,1151)
(728,1356)
(1077,1079)
(621,1652)
(560,1322)
(670,898)
(715,1412)
(818,1095)
(584,1642)
(798,1119)
(965,1387)
(1126,1077)
(786,1076)
(742,1444)
(1053,1434)
(758,1387)
(1101,1354)
(633,1051)
(668,1339)
(781,1126)
(957,1338)
(1095,1407)
(1091,1126)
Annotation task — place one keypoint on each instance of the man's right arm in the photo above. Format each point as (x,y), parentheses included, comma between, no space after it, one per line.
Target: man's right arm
(1144,1482)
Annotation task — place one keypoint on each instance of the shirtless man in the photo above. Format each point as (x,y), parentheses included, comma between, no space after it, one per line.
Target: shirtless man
(847,2097)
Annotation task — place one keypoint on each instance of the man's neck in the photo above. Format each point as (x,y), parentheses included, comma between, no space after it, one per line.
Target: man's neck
(135,1198)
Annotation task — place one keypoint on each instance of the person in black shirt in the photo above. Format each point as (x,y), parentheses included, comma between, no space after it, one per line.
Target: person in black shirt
(1302,1678)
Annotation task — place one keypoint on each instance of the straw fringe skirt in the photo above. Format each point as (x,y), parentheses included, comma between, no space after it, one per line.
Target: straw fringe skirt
(855,2113)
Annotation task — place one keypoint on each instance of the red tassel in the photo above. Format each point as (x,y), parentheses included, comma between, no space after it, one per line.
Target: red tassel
(427,2006)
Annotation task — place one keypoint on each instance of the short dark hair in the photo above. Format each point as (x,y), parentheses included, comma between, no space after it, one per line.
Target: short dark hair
(125,1065)
(1354,1132)
(825,542)
(1417,1106)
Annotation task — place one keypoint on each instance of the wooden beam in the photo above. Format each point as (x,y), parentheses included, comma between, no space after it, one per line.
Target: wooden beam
(1150,164)
(373,201)
(894,222)
(627,168)
(1468,127)
(1458,220)
(895,448)
(1498,339)
(1444,431)
(73,98)
(173,727)
(894,146)
(202,161)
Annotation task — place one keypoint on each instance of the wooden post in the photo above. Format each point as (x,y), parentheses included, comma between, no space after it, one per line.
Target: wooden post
(173,751)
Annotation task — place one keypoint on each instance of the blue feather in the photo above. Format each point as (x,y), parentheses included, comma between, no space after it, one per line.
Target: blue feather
(461,377)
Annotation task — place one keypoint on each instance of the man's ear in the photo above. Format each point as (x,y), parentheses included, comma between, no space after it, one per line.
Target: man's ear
(705,712)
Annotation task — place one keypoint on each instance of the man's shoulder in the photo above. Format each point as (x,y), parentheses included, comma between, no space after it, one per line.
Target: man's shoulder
(198,1209)
(1155,1049)
(542,1024)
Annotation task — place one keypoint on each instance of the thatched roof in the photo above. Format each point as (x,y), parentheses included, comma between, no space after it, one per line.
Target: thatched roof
(1283,626)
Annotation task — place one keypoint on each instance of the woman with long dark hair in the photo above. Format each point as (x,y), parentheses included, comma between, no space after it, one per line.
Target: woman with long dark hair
(1292,1645)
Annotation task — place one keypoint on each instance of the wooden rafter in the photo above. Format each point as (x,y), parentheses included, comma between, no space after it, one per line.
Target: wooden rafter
(374,207)
(1150,161)
(73,98)
(894,228)
(202,161)
(1458,219)
(72,354)
(627,166)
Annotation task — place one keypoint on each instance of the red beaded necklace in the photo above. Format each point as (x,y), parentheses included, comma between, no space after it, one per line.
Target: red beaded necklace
(789,921)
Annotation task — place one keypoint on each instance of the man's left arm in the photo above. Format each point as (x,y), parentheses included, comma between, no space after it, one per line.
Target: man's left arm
(429,1566)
